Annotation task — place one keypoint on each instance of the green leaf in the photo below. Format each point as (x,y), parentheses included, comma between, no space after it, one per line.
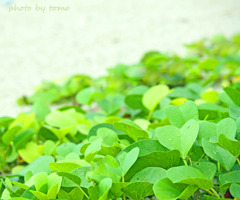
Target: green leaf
(149,174)
(39,195)
(207,168)
(183,92)
(67,148)
(84,96)
(93,149)
(212,112)
(26,120)
(53,191)
(233,94)
(219,154)
(22,138)
(154,95)
(164,160)
(30,152)
(165,189)
(138,190)
(94,130)
(131,129)
(40,182)
(104,187)
(134,97)
(11,133)
(41,110)
(111,104)
(100,192)
(109,137)
(76,193)
(145,146)
(209,64)
(75,179)
(179,139)
(63,166)
(189,175)
(228,178)
(210,130)
(116,189)
(227,127)
(207,130)
(61,119)
(231,146)
(178,116)
(128,159)
(41,164)
(49,147)
(235,190)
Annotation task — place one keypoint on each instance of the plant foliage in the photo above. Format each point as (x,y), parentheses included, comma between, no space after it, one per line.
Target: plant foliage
(167,127)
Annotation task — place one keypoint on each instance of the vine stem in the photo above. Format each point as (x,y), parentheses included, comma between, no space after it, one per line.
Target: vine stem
(185,162)
(152,110)
(219,168)
(238,160)
(210,192)
(190,160)
(124,196)
(215,193)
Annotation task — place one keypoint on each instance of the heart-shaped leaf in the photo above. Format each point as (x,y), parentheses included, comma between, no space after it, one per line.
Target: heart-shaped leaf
(210,130)
(178,116)
(179,139)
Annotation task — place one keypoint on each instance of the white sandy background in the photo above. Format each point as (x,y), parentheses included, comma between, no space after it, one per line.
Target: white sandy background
(96,34)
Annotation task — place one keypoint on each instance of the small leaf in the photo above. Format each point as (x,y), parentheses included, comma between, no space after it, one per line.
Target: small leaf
(233,94)
(235,190)
(228,178)
(22,138)
(30,152)
(84,96)
(138,190)
(219,154)
(164,160)
(128,160)
(178,116)
(131,129)
(154,95)
(167,190)
(41,164)
(75,179)
(189,175)
(149,174)
(63,166)
(231,146)
(179,139)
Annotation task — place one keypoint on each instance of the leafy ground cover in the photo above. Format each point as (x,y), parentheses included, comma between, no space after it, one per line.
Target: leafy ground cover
(165,128)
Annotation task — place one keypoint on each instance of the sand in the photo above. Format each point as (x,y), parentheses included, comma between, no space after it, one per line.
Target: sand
(86,37)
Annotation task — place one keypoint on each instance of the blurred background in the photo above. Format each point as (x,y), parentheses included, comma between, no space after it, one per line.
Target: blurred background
(94,35)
